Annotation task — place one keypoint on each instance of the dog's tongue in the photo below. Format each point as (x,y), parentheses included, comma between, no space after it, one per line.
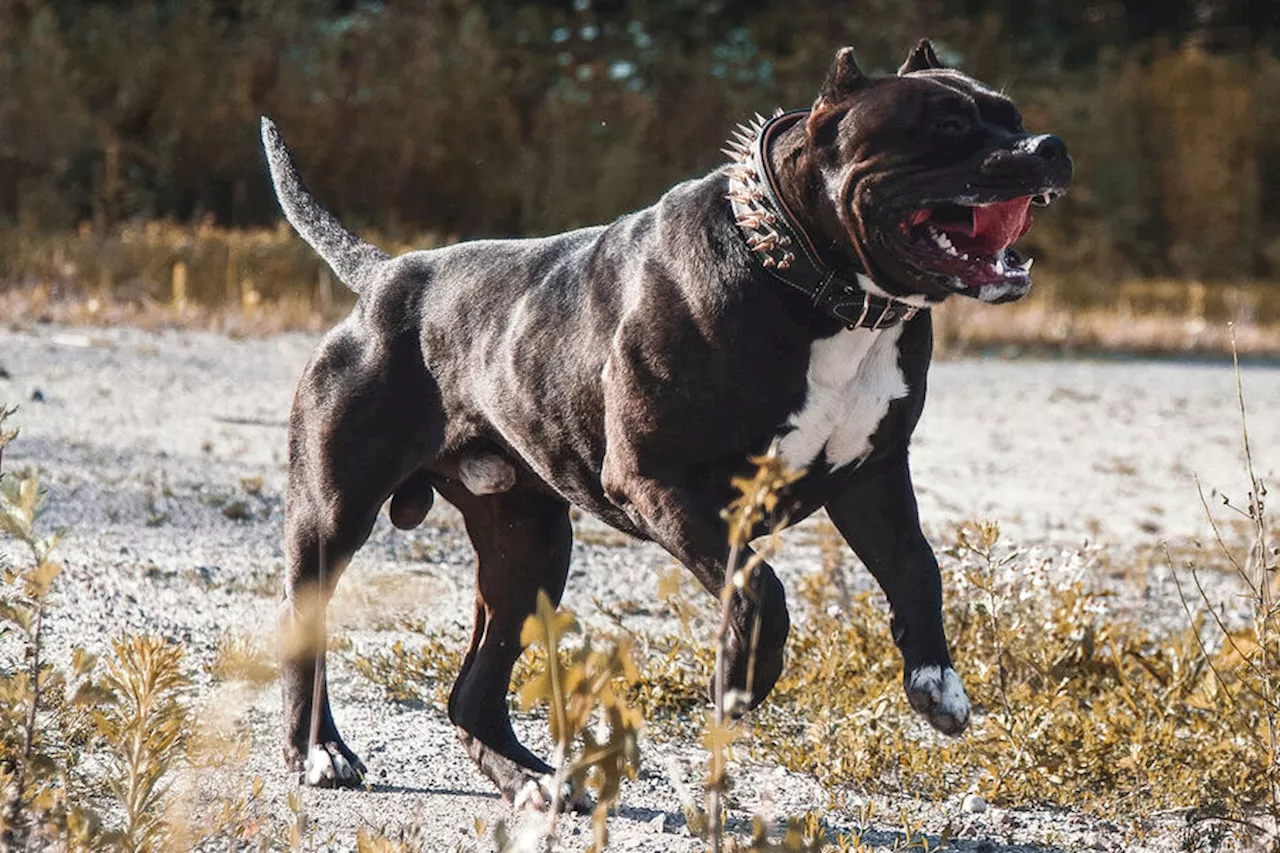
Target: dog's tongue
(996,226)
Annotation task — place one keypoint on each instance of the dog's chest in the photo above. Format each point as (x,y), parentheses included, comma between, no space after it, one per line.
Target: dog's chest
(853,376)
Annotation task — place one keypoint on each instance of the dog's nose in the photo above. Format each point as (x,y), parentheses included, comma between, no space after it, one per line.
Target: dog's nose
(1049,147)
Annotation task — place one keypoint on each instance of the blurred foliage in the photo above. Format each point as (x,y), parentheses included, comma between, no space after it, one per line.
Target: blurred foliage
(465,118)
(1076,703)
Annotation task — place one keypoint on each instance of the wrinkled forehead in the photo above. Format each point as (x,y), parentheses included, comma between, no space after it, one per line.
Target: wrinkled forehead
(955,81)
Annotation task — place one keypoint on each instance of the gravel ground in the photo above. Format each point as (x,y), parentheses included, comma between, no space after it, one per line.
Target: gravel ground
(149,441)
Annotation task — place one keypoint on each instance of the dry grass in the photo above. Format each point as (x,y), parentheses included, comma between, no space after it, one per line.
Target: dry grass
(421,674)
(263,281)
(1139,316)
(1075,704)
(131,714)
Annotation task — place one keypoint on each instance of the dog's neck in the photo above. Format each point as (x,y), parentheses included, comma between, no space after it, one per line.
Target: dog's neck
(787,219)
(799,178)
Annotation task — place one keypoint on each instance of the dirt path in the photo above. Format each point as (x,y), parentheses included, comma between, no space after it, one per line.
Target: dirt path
(163,456)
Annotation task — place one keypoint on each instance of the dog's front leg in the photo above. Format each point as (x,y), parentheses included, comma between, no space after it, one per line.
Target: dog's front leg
(877,516)
(687,524)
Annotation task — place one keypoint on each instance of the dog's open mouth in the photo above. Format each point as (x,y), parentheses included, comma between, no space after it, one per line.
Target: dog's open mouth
(970,244)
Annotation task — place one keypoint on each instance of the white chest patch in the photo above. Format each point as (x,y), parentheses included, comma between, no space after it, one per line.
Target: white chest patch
(853,377)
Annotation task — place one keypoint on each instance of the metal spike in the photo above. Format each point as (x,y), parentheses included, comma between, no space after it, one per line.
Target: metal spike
(739,196)
(750,220)
(777,111)
(784,241)
(760,119)
(770,262)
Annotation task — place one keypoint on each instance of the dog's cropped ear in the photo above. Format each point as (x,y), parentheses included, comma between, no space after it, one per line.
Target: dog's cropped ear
(921,58)
(843,80)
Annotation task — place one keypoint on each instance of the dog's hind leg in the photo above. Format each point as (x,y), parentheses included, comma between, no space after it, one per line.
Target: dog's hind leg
(359,430)
(522,541)
(877,516)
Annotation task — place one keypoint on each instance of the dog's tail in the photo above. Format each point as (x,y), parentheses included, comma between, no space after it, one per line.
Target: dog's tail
(351,258)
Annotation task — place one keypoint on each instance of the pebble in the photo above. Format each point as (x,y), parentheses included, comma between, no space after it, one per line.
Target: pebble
(973,804)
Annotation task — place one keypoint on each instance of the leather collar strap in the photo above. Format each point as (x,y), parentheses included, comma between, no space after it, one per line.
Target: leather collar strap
(787,252)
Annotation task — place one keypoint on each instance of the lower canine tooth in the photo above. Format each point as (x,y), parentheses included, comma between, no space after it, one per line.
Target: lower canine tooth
(999,265)
(1026,265)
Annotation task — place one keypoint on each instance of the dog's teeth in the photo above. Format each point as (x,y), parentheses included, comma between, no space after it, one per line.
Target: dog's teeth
(999,265)
(951,250)
(943,241)
(1026,265)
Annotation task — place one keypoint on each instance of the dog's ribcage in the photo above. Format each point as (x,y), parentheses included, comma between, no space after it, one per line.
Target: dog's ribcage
(853,377)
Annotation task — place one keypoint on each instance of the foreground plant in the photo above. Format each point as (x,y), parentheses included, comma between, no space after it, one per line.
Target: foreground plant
(1246,664)
(579,687)
(131,719)
(757,503)
(145,730)
(44,710)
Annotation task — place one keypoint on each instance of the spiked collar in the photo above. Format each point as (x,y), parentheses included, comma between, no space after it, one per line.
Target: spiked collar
(787,253)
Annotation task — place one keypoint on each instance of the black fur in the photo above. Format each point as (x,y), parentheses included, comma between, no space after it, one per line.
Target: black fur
(630,370)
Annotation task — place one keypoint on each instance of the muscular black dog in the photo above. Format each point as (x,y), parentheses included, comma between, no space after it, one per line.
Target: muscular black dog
(632,369)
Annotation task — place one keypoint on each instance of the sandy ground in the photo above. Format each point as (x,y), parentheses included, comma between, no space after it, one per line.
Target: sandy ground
(145,439)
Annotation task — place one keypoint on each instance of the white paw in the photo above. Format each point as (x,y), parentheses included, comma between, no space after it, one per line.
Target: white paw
(326,768)
(538,795)
(534,795)
(939,695)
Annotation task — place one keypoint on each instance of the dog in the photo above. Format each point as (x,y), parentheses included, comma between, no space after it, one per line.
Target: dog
(633,369)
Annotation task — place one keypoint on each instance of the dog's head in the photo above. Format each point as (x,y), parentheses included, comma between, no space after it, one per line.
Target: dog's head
(927,178)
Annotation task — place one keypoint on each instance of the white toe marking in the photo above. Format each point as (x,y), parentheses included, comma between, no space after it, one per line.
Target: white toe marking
(945,691)
(534,794)
(319,766)
(954,702)
(928,680)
